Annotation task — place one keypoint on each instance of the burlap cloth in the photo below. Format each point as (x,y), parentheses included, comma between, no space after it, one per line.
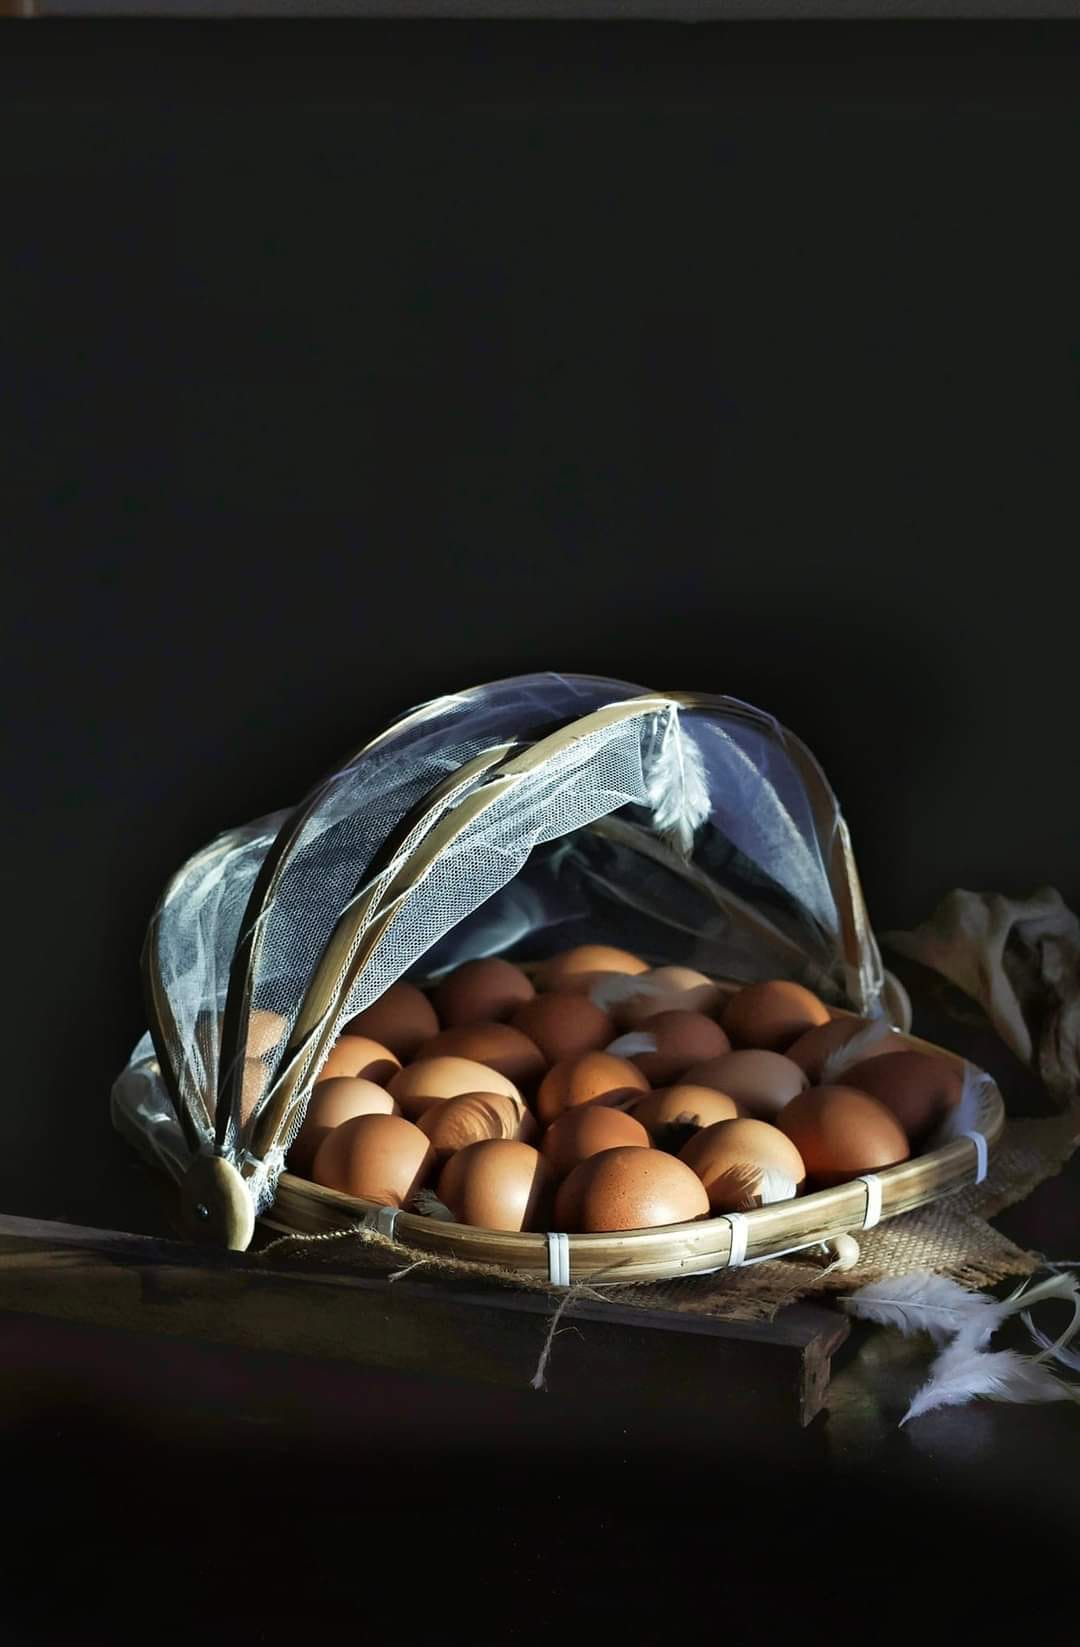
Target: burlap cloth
(1027,988)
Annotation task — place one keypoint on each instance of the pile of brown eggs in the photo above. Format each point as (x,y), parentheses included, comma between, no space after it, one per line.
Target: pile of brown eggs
(519,1103)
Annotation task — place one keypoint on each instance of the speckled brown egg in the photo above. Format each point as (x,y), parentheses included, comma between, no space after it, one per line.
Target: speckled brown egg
(732,1158)
(402,1019)
(683,1039)
(594,1078)
(433,1080)
(498,1184)
(578,1133)
(481,992)
(841,1133)
(564,1026)
(629,1189)
(917,1087)
(499,1046)
(812,1049)
(380,1158)
(667,988)
(356,1055)
(760,1082)
(333,1102)
(458,1122)
(683,1104)
(772,1015)
(574,971)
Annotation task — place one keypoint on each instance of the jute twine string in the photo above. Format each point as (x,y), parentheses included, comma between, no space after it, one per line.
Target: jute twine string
(366,1236)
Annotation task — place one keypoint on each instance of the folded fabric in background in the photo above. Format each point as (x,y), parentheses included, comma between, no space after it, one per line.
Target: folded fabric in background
(1020,960)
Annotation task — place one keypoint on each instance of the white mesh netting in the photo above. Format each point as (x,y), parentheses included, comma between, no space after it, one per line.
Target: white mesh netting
(520,817)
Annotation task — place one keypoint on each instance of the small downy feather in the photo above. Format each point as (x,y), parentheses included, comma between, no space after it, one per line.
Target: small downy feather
(677,787)
(961,1373)
(924,1302)
(616,987)
(628,1046)
(853,1051)
(744,1187)
(761,1186)
(968,1114)
(775,1186)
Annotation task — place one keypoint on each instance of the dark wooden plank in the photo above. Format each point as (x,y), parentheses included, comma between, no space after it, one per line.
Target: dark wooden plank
(734,1371)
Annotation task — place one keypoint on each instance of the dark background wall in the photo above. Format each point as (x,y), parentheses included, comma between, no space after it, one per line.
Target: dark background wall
(343,366)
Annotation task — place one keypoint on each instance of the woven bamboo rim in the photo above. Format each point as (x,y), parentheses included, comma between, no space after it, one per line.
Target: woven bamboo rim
(304,1208)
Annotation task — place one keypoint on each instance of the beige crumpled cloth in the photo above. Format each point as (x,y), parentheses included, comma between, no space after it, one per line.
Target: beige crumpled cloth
(1020,959)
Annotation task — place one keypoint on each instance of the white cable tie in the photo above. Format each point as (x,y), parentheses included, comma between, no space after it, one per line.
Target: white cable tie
(981,1151)
(740,1230)
(385,1219)
(873,1199)
(558,1250)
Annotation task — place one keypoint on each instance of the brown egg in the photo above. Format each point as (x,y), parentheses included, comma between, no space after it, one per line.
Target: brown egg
(772,1015)
(595,1078)
(811,1050)
(499,1046)
(254,1082)
(402,1019)
(481,992)
(264,1035)
(761,1083)
(682,1040)
(918,1088)
(578,1133)
(339,1099)
(667,988)
(841,1133)
(380,1158)
(628,1188)
(564,1026)
(683,1104)
(497,1185)
(357,1055)
(574,971)
(433,1080)
(458,1122)
(733,1157)
(265,1031)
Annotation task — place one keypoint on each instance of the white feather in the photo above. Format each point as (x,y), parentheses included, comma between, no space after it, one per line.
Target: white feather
(614,988)
(964,1322)
(677,787)
(1057,1349)
(744,1186)
(968,1114)
(628,1046)
(853,1051)
(962,1373)
(1051,1346)
(774,1186)
(923,1302)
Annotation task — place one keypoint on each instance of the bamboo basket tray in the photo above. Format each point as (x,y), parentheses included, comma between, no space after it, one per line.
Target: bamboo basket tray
(301,1207)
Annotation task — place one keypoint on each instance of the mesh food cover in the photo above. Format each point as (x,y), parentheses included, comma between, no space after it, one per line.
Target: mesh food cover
(518,818)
